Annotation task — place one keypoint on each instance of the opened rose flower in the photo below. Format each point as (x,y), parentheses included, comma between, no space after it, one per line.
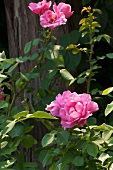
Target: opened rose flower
(72,108)
(51,20)
(40,7)
(65,8)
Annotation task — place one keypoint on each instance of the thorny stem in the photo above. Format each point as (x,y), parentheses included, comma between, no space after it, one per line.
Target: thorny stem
(91,53)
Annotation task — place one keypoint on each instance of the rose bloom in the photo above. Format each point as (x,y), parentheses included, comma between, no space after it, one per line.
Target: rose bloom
(1,97)
(40,7)
(62,7)
(72,108)
(51,19)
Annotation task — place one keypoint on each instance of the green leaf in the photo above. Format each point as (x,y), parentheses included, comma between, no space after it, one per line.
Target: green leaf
(110,55)
(3,76)
(106,134)
(28,129)
(3,144)
(75,51)
(21,114)
(22,59)
(70,47)
(34,75)
(3,104)
(92,149)
(91,121)
(78,161)
(12,68)
(66,160)
(103,157)
(5,164)
(71,60)
(45,82)
(84,146)
(2,56)
(8,128)
(48,138)
(84,2)
(66,75)
(24,77)
(109,109)
(107,91)
(103,127)
(41,115)
(33,57)
(107,37)
(51,74)
(17,130)
(27,47)
(99,37)
(48,54)
(62,137)
(71,38)
(81,80)
(111,167)
(9,150)
(30,165)
(36,41)
(28,141)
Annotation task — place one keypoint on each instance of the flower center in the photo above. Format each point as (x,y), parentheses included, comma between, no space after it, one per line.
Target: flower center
(52,20)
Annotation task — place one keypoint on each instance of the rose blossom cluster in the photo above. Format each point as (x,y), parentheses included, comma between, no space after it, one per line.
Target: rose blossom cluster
(72,108)
(48,18)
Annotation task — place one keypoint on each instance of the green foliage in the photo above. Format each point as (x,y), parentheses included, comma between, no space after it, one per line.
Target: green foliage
(75,62)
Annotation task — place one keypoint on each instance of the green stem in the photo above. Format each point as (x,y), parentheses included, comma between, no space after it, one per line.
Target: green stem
(90,55)
(11,105)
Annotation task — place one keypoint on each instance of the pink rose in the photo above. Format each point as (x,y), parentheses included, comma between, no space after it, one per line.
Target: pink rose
(1,97)
(72,108)
(40,7)
(51,19)
(60,102)
(62,7)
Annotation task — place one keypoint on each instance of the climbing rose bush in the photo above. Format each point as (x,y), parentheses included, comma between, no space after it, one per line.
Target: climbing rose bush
(51,18)
(72,108)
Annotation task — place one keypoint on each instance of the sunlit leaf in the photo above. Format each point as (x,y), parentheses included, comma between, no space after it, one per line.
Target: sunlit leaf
(66,75)
(107,37)
(8,128)
(2,56)
(109,109)
(21,114)
(107,91)
(41,115)
(103,157)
